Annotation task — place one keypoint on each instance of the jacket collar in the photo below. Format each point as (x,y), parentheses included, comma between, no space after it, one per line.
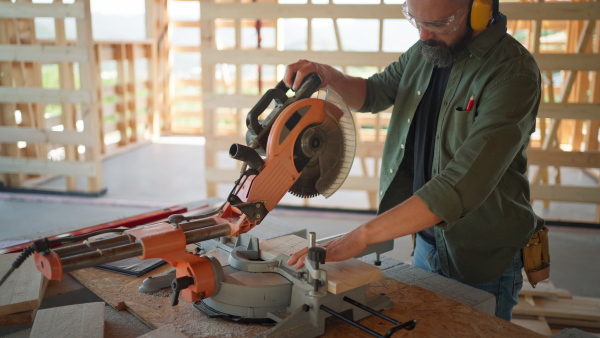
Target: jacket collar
(488,38)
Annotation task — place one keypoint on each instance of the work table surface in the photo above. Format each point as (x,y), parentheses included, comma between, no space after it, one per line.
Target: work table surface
(436,315)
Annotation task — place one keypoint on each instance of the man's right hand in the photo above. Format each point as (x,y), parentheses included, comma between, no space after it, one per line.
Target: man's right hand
(295,73)
(352,89)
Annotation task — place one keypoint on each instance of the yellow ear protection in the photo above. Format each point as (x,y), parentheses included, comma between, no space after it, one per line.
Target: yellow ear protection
(482,11)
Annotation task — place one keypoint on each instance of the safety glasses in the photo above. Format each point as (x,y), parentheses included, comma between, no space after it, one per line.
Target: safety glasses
(441,26)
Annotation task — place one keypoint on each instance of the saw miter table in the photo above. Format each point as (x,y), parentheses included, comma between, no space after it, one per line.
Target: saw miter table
(306,146)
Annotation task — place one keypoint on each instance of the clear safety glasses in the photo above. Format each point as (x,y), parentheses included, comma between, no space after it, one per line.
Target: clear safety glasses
(441,26)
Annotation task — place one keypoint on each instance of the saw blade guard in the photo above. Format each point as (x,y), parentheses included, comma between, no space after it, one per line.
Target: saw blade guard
(336,159)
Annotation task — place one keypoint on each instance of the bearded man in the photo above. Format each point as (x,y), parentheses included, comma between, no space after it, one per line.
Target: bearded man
(465,99)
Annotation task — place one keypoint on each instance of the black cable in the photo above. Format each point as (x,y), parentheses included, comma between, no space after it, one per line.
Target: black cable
(43,246)
(17,263)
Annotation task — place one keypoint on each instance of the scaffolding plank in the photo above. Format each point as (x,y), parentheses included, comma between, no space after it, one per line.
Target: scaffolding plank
(515,11)
(43,167)
(41,95)
(33,10)
(42,53)
(34,135)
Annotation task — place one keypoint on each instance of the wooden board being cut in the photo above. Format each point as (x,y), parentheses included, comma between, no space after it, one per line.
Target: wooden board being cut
(23,290)
(81,320)
(341,276)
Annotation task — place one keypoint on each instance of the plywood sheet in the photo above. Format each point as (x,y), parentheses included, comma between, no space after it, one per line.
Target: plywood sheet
(81,320)
(436,315)
(341,276)
(24,289)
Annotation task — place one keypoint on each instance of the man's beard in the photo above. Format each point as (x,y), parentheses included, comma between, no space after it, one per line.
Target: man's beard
(442,55)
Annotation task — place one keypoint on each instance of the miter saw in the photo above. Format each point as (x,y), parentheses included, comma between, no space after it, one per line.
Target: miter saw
(305,146)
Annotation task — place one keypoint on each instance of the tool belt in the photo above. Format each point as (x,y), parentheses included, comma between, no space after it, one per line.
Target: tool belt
(536,257)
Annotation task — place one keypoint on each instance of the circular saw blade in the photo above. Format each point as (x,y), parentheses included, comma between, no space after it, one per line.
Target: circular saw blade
(331,147)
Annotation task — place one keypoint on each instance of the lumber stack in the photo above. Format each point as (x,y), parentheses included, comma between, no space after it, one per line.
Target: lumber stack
(547,309)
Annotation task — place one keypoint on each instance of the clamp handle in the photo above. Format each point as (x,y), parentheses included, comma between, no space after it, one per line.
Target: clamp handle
(179,284)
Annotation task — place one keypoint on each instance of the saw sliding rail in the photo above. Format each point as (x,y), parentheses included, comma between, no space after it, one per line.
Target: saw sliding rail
(90,254)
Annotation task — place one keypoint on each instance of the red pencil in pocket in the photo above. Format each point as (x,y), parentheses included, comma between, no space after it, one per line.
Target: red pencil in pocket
(470,104)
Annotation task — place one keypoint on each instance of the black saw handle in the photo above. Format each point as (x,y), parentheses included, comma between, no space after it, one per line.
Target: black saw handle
(258,132)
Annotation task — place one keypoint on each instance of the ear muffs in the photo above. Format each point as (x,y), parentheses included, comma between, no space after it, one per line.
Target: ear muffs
(481,14)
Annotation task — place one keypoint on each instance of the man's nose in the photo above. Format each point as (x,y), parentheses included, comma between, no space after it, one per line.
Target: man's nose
(425,35)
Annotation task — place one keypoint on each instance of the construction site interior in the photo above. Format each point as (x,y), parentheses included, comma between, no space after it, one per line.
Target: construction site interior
(110,109)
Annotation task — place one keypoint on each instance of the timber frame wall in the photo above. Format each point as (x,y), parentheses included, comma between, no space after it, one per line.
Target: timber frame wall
(108,98)
(569,117)
(26,141)
(107,116)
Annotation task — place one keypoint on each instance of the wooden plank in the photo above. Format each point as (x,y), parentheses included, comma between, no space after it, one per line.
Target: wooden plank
(33,10)
(582,308)
(566,193)
(544,289)
(565,322)
(551,11)
(80,320)
(539,325)
(185,49)
(266,57)
(42,166)
(34,135)
(41,53)
(577,111)
(341,276)
(19,318)
(515,11)
(556,61)
(41,95)
(578,159)
(24,289)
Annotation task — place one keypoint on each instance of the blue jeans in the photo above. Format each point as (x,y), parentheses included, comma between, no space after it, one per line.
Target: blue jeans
(506,287)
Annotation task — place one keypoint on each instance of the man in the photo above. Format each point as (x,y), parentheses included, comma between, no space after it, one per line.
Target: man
(454,163)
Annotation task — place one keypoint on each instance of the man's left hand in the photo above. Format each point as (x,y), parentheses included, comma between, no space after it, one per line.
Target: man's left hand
(339,249)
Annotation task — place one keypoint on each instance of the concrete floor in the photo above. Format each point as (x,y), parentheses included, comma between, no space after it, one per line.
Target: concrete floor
(170,172)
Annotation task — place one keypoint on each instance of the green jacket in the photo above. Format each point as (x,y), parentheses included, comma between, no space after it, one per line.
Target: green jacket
(479,185)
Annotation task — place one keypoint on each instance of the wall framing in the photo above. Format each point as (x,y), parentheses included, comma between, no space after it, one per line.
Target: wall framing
(569,117)
(21,58)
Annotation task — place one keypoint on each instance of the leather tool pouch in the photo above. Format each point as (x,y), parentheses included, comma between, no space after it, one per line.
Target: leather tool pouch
(536,257)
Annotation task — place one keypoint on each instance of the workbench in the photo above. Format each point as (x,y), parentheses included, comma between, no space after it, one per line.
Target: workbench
(436,315)
(442,307)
